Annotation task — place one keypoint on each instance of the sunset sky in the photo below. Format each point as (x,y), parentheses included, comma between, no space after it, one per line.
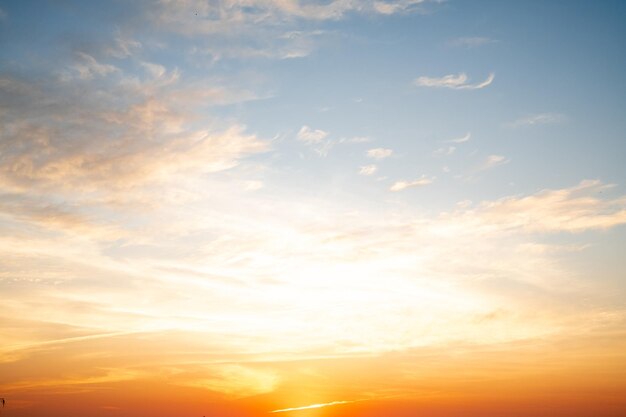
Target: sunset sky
(312,208)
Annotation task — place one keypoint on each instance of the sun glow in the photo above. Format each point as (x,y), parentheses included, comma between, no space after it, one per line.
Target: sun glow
(312,207)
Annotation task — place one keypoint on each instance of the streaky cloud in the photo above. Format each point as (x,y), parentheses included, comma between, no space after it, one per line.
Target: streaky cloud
(471,41)
(537,119)
(379,153)
(311,136)
(455,82)
(462,139)
(308,407)
(403,185)
(368,170)
(493,161)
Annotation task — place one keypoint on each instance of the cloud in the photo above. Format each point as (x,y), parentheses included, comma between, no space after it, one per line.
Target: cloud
(310,136)
(238,381)
(325,267)
(46,159)
(448,150)
(379,153)
(368,170)
(393,7)
(493,161)
(359,139)
(259,28)
(155,70)
(403,185)
(462,139)
(537,119)
(138,133)
(253,185)
(87,67)
(308,407)
(471,41)
(574,209)
(209,17)
(456,82)
(122,47)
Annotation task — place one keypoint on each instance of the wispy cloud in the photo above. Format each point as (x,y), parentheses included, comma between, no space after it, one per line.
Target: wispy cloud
(359,139)
(471,41)
(456,82)
(87,67)
(212,18)
(311,136)
(462,139)
(368,170)
(537,119)
(308,407)
(393,7)
(448,150)
(403,185)
(573,209)
(492,161)
(379,153)
(236,380)
(122,47)
(262,29)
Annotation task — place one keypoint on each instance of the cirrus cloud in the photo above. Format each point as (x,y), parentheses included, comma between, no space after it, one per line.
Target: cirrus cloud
(455,82)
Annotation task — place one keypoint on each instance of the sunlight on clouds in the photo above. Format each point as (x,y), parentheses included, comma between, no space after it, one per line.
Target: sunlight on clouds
(308,407)
(238,381)
(403,185)
(120,147)
(574,209)
(492,161)
(154,238)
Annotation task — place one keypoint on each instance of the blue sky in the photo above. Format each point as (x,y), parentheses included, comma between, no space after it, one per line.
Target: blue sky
(208,166)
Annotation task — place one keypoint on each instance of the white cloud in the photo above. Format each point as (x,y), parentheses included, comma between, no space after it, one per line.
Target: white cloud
(456,82)
(209,17)
(359,139)
(493,161)
(155,70)
(462,139)
(448,150)
(403,185)
(122,47)
(393,7)
(310,136)
(471,41)
(253,185)
(574,209)
(88,67)
(537,119)
(379,153)
(368,170)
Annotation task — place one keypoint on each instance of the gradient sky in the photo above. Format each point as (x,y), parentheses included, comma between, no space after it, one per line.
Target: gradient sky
(310,208)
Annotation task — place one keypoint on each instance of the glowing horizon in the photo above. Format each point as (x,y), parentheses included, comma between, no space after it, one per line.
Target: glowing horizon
(312,208)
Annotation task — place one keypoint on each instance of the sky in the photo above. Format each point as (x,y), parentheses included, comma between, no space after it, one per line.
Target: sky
(312,208)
